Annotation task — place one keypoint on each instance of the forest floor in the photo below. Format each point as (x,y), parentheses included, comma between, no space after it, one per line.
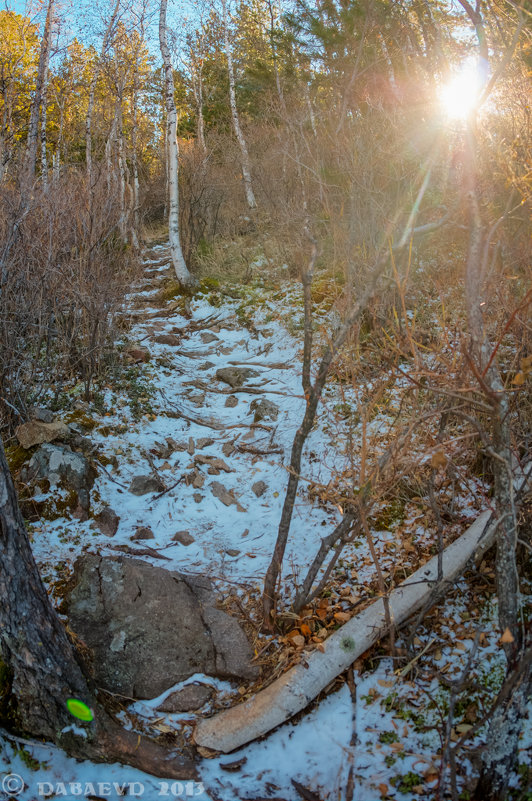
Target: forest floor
(374,734)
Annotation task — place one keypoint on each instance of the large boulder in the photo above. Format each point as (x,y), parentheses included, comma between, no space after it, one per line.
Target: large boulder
(61,466)
(150,628)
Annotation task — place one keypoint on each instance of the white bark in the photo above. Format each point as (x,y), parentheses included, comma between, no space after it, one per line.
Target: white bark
(181,270)
(44,157)
(245,163)
(296,688)
(33,126)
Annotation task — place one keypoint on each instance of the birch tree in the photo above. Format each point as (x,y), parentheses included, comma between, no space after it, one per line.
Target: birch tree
(244,155)
(181,270)
(39,95)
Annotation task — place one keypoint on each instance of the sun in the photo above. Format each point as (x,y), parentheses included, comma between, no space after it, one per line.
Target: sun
(459,96)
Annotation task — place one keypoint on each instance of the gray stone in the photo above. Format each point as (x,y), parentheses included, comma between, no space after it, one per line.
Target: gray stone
(62,466)
(142,533)
(227,498)
(235,376)
(191,697)
(204,442)
(259,488)
(107,521)
(141,485)
(231,402)
(183,537)
(167,339)
(264,409)
(41,414)
(36,432)
(149,628)
(207,337)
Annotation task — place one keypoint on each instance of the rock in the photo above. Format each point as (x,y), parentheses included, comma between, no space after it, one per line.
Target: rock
(231,401)
(227,498)
(198,480)
(149,628)
(198,497)
(142,533)
(138,355)
(107,521)
(36,432)
(165,449)
(41,414)
(60,465)
(167,339)
(235,376)
(207,337)
(206,366)
(183,537)
(259,488)
(264,409)
(191,697)
(141,485)
(213,462)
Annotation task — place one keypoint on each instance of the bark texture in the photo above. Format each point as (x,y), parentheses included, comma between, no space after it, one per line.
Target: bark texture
(245,163)
(182,274)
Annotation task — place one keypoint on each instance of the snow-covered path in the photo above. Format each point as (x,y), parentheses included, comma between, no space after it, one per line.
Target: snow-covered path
(219,476)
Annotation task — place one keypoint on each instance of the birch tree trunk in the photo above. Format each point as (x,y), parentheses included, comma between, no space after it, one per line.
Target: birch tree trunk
(44,157)
(245,164)
(38,97)
(182,274)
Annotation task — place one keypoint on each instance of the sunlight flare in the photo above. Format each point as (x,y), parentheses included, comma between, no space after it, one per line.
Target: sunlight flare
(459,96)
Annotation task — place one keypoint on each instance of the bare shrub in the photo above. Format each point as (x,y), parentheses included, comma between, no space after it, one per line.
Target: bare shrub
(64,279)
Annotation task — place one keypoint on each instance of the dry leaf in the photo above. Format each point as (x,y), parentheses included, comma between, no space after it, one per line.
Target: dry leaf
(342,617)
(305,630)
(164,729)
(507,636)
(519,380)
(385,682)
(298,641)
(383,788)
(320,647)
(463,728)
(438,460)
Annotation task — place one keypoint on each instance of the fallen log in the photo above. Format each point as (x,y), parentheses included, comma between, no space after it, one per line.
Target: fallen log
(296,688)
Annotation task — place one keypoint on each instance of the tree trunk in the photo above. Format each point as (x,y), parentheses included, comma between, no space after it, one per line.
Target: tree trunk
(39,670)
(245,164)
(182,274)
(33,126)
(500,756)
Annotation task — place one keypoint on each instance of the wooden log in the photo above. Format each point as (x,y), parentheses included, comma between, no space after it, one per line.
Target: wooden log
(296,688)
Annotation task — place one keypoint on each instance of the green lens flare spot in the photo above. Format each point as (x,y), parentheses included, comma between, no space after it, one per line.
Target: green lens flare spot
(79,709)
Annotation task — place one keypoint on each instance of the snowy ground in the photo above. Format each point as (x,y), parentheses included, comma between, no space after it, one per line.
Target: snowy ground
(372,738)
